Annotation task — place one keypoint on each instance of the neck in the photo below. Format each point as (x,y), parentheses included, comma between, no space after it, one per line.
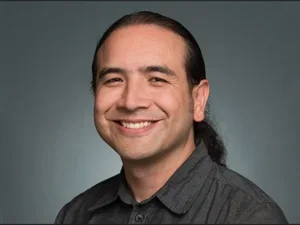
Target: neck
(147,177)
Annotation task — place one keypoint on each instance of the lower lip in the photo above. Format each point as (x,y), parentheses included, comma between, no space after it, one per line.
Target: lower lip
(136,131)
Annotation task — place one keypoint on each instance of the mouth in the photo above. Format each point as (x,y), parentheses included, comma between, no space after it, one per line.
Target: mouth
(135,127)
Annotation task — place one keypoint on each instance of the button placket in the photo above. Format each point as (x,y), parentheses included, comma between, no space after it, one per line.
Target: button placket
(139,218)
(138,215)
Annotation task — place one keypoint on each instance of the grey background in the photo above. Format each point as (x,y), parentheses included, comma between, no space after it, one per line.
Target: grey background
(50,150)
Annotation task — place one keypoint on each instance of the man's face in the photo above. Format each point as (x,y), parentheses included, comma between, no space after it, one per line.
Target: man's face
(143,105)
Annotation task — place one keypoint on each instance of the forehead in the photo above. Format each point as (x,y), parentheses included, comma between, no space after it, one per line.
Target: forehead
(142,44)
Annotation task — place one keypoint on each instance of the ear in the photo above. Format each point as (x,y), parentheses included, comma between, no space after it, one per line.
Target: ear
(200,97)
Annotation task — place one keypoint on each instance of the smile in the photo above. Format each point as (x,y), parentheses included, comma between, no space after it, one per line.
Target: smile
(136,128)
(131,125)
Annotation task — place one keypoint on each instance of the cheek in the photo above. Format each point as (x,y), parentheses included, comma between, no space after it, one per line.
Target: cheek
(170,101)
(104,100)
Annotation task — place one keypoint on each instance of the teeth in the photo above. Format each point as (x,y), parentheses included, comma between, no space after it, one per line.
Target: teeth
(135,125)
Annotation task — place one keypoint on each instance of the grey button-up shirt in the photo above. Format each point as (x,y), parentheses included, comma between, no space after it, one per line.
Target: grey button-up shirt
(199,192)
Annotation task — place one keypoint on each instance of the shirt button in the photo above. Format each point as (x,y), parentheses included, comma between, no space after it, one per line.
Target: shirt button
(139,217)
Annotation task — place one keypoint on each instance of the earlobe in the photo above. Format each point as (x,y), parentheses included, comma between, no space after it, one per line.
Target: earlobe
(200,96)
(198,114)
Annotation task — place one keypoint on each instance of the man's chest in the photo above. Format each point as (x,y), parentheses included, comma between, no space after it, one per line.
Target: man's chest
(153,214)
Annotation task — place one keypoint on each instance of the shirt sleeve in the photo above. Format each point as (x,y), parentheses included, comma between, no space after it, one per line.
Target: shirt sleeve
(263,213)
(61,215)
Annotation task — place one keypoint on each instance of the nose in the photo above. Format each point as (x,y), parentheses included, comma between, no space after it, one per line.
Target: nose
(134,96)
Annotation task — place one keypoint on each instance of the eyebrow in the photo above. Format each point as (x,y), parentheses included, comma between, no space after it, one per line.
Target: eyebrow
(106,70)
(157,68)
(144,69)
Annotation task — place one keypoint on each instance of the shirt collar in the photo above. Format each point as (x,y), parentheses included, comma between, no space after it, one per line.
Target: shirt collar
(177,194)
(101,199)
(115,187)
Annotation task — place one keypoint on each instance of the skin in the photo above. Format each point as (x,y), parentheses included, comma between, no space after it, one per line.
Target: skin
(133,87)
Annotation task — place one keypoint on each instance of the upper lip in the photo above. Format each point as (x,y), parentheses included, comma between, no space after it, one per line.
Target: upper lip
(135,120)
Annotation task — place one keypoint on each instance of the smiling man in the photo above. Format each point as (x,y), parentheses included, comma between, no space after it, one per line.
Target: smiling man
(150,106)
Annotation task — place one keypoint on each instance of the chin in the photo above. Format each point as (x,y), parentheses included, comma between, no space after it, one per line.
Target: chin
(136,156)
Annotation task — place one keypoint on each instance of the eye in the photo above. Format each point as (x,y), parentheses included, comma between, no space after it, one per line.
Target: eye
(113,80)
(157,79)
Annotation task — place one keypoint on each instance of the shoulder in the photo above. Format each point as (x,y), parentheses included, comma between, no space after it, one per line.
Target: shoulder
(77,207)
(249,202)
(238,183)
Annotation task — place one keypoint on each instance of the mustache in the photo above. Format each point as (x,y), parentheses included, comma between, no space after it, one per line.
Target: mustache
(135,116)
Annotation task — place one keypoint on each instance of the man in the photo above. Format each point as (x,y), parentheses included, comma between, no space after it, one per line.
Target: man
(151,95)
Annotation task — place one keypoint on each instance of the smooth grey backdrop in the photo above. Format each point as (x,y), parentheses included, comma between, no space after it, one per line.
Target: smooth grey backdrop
(50,150)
